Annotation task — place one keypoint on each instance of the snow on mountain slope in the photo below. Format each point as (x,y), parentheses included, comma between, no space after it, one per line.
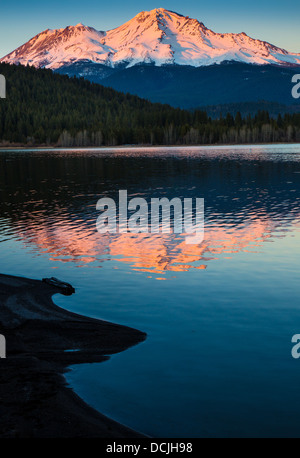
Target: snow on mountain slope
(158,36)
(54,48)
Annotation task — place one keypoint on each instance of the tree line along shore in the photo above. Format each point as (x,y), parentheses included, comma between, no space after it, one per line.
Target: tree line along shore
(43,108)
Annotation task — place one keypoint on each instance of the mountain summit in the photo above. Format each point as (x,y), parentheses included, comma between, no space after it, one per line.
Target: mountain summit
(157,37)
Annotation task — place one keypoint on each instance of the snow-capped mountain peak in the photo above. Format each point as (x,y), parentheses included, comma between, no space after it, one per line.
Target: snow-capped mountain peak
(158,37)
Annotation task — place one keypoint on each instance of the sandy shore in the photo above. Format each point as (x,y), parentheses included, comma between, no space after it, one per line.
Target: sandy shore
(34,398)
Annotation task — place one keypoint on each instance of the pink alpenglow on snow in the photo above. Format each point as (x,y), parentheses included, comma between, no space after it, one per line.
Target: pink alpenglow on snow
(158,36)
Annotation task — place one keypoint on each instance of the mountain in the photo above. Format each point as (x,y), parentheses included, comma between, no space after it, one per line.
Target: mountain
(166,57)
(157,37)
(190,87)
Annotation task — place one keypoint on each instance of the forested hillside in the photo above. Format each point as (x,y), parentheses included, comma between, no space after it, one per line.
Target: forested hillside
(43,108)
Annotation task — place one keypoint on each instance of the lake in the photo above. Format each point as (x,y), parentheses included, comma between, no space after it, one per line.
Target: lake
(219,316)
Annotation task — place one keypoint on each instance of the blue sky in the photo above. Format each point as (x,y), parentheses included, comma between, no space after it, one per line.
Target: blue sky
(270,20)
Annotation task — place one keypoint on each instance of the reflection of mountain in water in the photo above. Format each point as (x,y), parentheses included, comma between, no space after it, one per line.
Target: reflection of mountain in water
(146,252)
(48,200)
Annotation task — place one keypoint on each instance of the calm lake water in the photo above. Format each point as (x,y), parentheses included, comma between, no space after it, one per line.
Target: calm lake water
(219,316)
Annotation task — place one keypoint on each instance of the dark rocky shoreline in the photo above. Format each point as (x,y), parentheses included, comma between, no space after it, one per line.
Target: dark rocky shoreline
(34,398)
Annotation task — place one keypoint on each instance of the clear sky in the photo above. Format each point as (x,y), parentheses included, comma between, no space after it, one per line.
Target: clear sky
(276,21)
